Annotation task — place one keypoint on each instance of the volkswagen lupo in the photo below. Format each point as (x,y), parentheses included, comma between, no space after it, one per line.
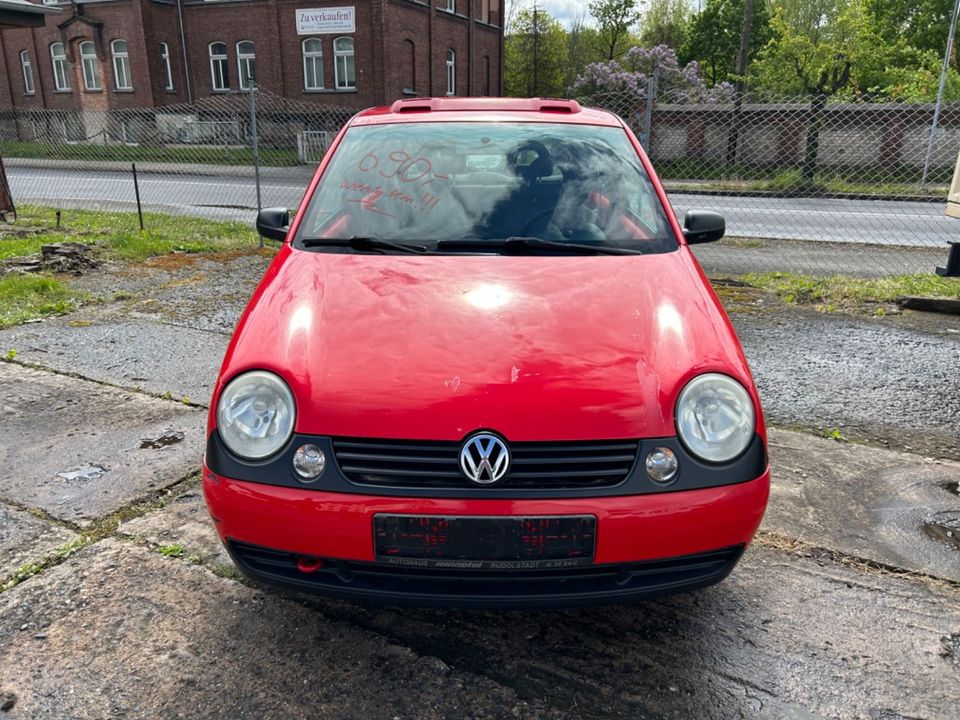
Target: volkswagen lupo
(485,369)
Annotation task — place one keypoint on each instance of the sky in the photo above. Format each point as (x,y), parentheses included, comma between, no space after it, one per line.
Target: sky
(566,11)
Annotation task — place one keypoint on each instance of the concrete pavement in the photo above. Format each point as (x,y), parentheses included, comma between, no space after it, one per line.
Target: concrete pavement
(126,606)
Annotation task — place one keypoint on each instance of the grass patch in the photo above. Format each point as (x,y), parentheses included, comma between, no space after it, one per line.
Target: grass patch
(119,234)
(842,291)
(173,550)
(26,297)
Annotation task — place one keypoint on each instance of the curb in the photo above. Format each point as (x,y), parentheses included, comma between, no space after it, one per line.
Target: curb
(298,172)
(945,306)
(732,192)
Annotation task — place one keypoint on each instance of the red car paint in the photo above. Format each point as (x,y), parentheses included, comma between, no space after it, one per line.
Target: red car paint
(436,347)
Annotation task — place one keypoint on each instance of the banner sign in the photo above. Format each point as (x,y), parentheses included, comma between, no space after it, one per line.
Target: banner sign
(326,21)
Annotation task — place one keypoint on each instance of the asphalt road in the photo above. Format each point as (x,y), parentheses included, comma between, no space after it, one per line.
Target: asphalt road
(915,224)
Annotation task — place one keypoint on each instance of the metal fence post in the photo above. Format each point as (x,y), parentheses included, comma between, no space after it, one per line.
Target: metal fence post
(943,82)
(648,111)
(256,148)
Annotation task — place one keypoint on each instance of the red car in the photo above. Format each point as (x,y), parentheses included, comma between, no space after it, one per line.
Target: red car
(485,369)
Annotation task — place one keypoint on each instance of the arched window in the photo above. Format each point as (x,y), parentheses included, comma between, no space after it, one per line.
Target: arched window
(312,64)
(91,66)
(246,64)
(451,72)
(343,63)
(121,65)
(409,67)
(58,56)
(167,72)
(486,75)
(218,66)
(27,72)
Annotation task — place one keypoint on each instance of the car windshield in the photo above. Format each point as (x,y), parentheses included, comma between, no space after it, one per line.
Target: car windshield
(486,182)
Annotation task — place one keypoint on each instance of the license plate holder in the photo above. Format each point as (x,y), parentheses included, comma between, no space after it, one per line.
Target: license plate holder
(485,543)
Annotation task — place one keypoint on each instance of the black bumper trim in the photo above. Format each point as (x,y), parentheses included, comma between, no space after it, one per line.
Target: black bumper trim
(455,588)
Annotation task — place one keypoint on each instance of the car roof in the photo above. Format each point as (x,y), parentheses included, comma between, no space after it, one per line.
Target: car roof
(485,109)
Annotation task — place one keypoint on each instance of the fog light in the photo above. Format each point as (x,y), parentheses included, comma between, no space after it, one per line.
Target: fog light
(309,462)
(662,465)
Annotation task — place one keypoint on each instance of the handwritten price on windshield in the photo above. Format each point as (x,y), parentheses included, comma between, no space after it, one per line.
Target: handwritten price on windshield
(403,167)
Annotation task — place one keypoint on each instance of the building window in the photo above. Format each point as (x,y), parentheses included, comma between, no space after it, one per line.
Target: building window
(167,72)
(58,57)
(121,65)
(27,73)
(344,63)
(312,64)
(246,64)
(485,11)
(451,72)
(91,66)
(486,75)
(410,69)
(218,66)
(452,6)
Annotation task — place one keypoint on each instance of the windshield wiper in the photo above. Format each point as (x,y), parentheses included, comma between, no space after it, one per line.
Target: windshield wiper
(516,243)
(363,243)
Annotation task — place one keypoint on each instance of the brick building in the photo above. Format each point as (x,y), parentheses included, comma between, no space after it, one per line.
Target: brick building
(103,55)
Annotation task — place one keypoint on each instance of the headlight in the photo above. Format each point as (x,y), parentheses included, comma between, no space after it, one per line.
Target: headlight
(255,414)
(715,418)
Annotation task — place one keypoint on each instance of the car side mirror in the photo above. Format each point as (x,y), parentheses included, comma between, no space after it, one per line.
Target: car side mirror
(703,226)
(273,223)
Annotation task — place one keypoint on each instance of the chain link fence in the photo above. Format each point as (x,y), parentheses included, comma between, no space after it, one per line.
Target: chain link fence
(806,185)
(201,159)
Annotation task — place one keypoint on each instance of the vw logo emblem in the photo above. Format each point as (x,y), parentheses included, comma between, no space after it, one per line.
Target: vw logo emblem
(484,459)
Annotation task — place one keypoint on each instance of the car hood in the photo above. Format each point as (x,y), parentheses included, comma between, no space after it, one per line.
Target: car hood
(535,348)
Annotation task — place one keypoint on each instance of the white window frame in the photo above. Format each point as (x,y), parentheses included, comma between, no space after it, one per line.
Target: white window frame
(247,65)
(61,79)
(220,61)
(313,58)
(90,65)
(348,58)
(168,72)
(27,68)
(452,6)
(451,72)
(121,65)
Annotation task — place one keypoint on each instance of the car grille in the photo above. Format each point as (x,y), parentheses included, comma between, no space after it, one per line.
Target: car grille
(426,464)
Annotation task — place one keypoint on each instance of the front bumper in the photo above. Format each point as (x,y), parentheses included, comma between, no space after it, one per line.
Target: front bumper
(646,545)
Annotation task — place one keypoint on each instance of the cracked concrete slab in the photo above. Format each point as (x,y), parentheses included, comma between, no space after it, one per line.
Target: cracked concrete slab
(79,450)
(24,539)
(182,521)
(863,501)
(119,631)
(784,637)
(103,343)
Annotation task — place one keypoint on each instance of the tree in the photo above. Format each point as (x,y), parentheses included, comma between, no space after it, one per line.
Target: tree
(820,47)
(584,46)
(614,20)
(665,22)
(714,37)
(628,78)
(913,24)
(535,54)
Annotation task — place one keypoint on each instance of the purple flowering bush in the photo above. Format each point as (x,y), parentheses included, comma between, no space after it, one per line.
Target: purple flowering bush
(628,77)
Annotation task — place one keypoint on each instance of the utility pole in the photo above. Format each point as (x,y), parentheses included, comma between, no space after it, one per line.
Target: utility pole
(733,139)
(536,49)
